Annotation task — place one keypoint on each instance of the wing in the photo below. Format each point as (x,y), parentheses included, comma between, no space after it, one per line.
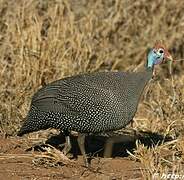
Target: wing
(111,92)
(77,94)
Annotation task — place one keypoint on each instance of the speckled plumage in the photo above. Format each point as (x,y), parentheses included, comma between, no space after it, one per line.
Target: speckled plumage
(87,103)
(91,103)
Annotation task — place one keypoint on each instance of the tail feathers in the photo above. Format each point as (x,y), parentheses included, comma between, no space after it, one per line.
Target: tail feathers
(25,130)
(30,125)
(33,122)
(21,133)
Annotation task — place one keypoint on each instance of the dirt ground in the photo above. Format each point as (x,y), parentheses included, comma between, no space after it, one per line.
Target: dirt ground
(18,162)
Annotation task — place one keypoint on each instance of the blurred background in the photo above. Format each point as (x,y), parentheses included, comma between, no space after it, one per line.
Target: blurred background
(45,40)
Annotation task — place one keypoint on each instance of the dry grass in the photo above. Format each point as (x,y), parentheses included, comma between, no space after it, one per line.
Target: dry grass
(50,157)
(164,159)
(41,41)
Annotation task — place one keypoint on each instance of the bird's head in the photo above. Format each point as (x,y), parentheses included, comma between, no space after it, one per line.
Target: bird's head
(157,55)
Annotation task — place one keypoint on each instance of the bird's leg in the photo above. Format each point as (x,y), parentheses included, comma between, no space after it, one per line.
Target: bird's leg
(67,146)
(81,141)
(132,123)
(132,126)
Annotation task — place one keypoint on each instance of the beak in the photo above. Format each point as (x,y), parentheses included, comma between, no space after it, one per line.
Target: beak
(169,58)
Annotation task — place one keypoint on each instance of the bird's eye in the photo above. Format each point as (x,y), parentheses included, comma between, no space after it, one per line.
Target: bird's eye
(161,51)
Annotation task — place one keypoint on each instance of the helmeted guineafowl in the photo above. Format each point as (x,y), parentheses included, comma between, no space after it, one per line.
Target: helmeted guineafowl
(91,103)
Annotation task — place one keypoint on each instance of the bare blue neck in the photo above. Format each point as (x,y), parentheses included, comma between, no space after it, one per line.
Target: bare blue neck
(150,60)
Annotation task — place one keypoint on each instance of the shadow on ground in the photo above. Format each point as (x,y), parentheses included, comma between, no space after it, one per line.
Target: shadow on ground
(114,144)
